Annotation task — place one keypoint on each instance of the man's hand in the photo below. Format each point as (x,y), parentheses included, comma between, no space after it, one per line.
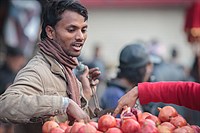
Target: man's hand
(76,112)
(89,80)
(129,99)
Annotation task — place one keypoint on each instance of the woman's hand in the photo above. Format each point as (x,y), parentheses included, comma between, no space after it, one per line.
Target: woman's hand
(89,80)
(129,99)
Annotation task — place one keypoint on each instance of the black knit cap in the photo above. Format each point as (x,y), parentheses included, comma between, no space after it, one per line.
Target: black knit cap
(133,56)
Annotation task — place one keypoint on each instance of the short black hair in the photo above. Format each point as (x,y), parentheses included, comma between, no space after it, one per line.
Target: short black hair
(54,9)
(133,75)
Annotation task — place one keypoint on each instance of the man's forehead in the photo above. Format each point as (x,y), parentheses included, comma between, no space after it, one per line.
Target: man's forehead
(71,18)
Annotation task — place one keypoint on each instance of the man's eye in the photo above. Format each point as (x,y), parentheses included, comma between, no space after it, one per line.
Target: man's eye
(71,30)
(84,30)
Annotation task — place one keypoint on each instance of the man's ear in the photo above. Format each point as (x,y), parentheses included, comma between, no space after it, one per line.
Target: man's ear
(50,32)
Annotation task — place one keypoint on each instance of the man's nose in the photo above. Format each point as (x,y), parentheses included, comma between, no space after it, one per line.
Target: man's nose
(80,35)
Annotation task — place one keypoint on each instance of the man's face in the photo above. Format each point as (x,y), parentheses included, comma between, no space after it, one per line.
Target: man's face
(71,32)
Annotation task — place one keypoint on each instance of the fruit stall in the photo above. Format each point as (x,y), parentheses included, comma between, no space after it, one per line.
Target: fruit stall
(131,120)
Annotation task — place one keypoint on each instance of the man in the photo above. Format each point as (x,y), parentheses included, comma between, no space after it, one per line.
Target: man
(47,86)
(134,67)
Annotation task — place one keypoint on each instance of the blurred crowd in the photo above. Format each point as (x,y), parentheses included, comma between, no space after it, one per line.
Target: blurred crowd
(19,30)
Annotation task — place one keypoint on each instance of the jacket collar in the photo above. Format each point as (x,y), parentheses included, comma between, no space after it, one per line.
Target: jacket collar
(55,67)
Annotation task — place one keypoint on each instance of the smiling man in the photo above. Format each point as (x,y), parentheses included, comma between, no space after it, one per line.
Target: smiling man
(47,87)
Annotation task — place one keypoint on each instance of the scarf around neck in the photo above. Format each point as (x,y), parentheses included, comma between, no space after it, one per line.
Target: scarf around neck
(54,50)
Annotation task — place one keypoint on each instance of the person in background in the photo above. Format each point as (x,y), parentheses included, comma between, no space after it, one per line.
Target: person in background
(13,62)
(134,67)
(47,87)
(164,70)
(4,9)
(176,92)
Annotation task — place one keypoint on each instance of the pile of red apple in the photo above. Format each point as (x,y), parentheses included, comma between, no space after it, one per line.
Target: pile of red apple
(131,121)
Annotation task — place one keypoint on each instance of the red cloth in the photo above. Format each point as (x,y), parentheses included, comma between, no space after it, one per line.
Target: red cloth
(193,16)
(192,20)
(181,93)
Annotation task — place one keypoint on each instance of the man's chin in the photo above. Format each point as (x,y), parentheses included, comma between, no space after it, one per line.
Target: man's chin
(75,55)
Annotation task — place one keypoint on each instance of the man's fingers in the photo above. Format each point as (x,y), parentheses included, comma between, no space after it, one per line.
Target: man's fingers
(84,119)
(87,119)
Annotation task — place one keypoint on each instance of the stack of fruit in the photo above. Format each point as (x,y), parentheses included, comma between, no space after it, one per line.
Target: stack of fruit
(131,121)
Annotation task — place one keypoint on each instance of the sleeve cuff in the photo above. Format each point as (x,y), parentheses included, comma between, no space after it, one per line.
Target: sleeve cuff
(65,103)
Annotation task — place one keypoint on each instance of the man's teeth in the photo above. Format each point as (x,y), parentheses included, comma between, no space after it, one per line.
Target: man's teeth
(78,45)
